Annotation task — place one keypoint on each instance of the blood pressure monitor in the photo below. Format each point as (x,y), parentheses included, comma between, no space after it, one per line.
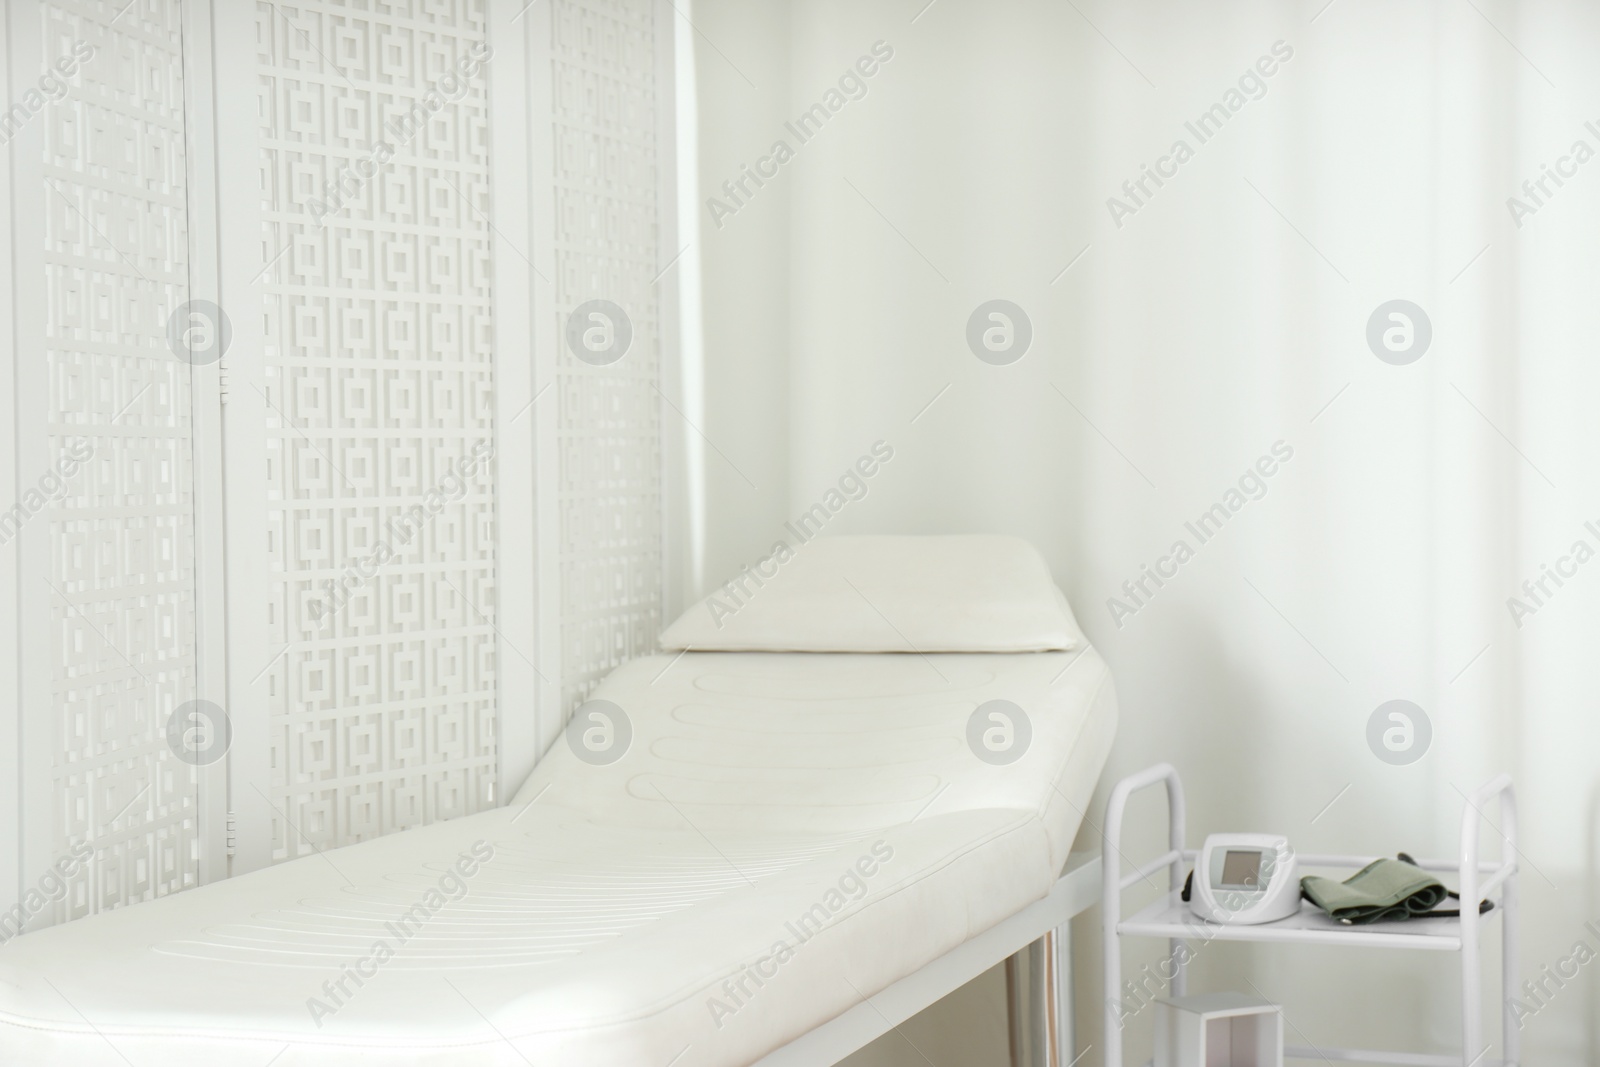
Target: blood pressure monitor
(1245,879)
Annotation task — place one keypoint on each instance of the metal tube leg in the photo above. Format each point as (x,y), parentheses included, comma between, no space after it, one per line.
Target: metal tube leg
(1471,995)
(1111,947)
(1066,1031)
(1471,982)
(1511,1035)
(1053,1026)
(1014,1009)
(1042,1021)
(1038,1020)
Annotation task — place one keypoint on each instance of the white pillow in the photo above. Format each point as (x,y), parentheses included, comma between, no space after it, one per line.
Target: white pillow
(885,594)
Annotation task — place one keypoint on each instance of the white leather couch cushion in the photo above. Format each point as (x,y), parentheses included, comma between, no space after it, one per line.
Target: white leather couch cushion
(784,835)
(957,593)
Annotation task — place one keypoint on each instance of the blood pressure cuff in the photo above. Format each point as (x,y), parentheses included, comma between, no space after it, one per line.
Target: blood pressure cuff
(1383,890)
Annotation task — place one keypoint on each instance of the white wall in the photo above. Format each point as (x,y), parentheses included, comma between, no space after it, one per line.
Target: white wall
(1227,314)
(742,68)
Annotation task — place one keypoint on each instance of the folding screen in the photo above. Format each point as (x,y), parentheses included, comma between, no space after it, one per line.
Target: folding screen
(300,441)
(378,379)
(117,486)
(605,184)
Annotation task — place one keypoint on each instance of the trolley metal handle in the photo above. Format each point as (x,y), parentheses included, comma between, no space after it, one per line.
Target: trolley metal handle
(1473,892)
(1114,882)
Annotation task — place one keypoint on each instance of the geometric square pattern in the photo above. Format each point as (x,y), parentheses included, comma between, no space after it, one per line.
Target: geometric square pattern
(608,429)
(373,126)
(122,582)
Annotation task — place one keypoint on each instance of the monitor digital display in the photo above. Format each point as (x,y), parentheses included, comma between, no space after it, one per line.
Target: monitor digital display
(1241,869)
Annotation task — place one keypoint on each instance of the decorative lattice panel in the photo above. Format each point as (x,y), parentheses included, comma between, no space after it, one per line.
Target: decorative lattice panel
(608,422)
(121,496)
(375,179)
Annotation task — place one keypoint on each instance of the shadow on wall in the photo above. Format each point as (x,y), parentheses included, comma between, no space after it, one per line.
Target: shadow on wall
(929,1037)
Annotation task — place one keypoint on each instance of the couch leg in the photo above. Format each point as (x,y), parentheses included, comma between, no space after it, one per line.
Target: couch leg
(1055,999)
(1015,1010)
(1039,1002)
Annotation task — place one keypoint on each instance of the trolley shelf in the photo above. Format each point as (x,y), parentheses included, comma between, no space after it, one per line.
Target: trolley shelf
(1170,917)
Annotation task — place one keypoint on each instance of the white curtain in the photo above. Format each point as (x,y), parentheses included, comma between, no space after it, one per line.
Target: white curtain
(1175,345)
